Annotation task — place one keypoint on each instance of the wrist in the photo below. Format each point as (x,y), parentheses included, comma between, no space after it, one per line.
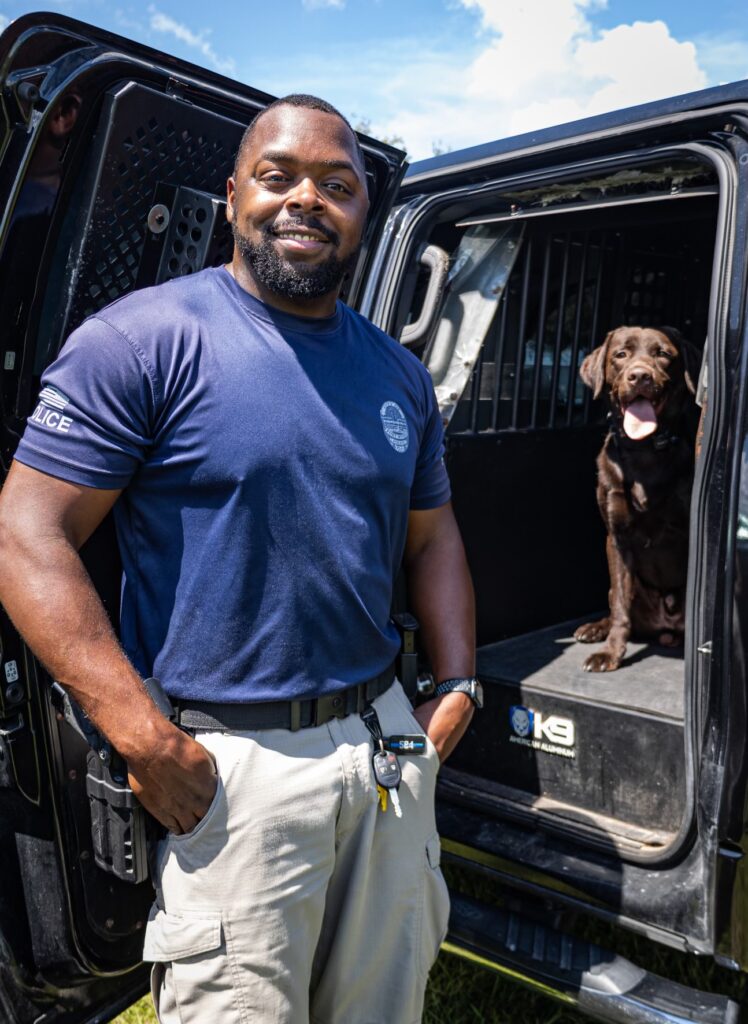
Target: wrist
(145,737)
(456,702)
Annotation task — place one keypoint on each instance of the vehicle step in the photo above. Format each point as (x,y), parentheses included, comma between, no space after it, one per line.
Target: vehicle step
(597,981)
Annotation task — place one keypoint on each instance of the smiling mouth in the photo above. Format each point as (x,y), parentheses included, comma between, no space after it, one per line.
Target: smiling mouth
(303,233)
(299,236)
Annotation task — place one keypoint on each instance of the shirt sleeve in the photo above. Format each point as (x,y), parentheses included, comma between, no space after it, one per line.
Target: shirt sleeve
(430,484)
(93,420)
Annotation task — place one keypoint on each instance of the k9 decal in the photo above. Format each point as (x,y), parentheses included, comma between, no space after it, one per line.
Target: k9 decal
(550,734)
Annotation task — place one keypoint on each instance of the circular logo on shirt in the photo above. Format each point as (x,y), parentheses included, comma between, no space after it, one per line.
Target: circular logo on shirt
(395,426)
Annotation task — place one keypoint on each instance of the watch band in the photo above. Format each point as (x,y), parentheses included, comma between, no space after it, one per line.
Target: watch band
(469,685)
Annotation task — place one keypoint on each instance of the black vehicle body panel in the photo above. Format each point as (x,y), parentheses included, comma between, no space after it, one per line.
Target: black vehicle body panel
(67,956)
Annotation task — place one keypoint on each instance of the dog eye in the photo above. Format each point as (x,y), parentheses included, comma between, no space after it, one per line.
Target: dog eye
(622,354)
(660,353)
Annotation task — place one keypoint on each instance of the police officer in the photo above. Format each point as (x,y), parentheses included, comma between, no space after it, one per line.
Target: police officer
(271,458)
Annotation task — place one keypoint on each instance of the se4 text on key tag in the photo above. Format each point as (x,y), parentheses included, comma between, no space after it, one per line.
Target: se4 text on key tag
(412,743)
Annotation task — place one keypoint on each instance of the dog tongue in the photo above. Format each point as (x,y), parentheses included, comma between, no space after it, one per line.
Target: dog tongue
(639,419)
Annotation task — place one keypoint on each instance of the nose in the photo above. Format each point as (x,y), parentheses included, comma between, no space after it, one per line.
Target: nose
(637,376)
(305,197)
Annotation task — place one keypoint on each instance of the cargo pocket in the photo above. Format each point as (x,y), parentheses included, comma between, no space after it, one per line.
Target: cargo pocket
(435,912)
(191,981)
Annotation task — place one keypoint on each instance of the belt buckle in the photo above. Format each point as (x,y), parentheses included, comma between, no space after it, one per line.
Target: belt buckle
(331,706)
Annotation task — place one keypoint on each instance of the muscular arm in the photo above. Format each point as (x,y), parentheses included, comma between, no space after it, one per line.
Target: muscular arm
(441,598)
(50,597)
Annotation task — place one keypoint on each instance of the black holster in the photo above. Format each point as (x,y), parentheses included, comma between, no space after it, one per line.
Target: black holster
(407,626)
(120,826)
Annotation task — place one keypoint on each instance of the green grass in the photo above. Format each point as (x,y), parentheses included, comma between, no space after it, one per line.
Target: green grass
(461,993)
(141,1012)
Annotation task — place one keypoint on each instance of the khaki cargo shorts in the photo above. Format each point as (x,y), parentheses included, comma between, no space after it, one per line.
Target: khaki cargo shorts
(296,898)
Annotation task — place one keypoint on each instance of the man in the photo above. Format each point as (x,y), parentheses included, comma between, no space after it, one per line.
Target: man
(276,456)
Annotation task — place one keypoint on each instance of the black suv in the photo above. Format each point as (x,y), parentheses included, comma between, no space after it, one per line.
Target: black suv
(619,796)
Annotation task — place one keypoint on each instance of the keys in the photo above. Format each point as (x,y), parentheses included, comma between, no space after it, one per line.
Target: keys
(388,775)
(386,766)
(387,769)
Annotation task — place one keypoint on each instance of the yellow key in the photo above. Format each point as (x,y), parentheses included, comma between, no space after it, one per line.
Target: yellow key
(382,797)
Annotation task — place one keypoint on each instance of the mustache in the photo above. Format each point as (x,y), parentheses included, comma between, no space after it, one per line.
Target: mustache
(299,223)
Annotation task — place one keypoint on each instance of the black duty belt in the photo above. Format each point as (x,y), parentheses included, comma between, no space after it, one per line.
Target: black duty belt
(282,714)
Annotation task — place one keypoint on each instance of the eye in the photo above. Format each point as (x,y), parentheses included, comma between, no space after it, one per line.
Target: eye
(337,186)
(621,354)
(274,178)
(661,354)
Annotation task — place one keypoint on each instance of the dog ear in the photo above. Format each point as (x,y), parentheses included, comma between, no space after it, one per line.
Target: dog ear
(690,355)
(592,370)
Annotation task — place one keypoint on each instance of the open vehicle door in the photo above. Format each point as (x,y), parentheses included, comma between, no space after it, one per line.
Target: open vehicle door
(113,168)
(621,795)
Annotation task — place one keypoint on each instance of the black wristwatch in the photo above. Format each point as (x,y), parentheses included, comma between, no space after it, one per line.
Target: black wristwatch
(466,684)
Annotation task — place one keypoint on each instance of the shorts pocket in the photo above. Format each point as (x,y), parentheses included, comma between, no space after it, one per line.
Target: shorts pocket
(435,909)
(191,981)
(206,818)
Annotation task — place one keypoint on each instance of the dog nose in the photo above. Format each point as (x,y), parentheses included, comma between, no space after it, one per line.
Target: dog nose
(637,377)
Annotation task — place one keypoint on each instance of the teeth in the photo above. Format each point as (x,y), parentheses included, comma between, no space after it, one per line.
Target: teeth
(299,236)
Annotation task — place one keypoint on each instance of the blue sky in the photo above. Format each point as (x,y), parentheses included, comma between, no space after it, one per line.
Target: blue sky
(447,72)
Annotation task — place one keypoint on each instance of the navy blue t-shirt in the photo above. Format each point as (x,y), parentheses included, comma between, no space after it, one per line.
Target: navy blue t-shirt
(269,462)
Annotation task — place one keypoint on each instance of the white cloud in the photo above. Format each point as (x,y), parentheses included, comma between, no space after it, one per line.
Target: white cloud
(160,22)
(541,62)
(317,5)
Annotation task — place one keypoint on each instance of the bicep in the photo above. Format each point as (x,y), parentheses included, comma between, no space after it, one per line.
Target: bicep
(36,505)
(430,526)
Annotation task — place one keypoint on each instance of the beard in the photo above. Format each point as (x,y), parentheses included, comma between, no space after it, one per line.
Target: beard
(288,278)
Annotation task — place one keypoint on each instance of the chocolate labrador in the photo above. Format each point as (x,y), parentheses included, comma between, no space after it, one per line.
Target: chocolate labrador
(645,472)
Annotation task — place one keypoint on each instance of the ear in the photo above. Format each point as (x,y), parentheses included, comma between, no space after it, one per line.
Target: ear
(230,199)
(691,356)
(592,370)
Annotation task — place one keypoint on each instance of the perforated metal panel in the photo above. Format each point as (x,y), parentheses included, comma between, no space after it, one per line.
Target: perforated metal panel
(151,141)
(197,225)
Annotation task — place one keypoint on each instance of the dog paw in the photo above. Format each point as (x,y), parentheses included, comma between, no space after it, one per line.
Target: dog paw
(592,632)
(601,662)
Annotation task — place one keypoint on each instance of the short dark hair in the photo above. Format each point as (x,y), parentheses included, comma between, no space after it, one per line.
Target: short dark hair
(297,99)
